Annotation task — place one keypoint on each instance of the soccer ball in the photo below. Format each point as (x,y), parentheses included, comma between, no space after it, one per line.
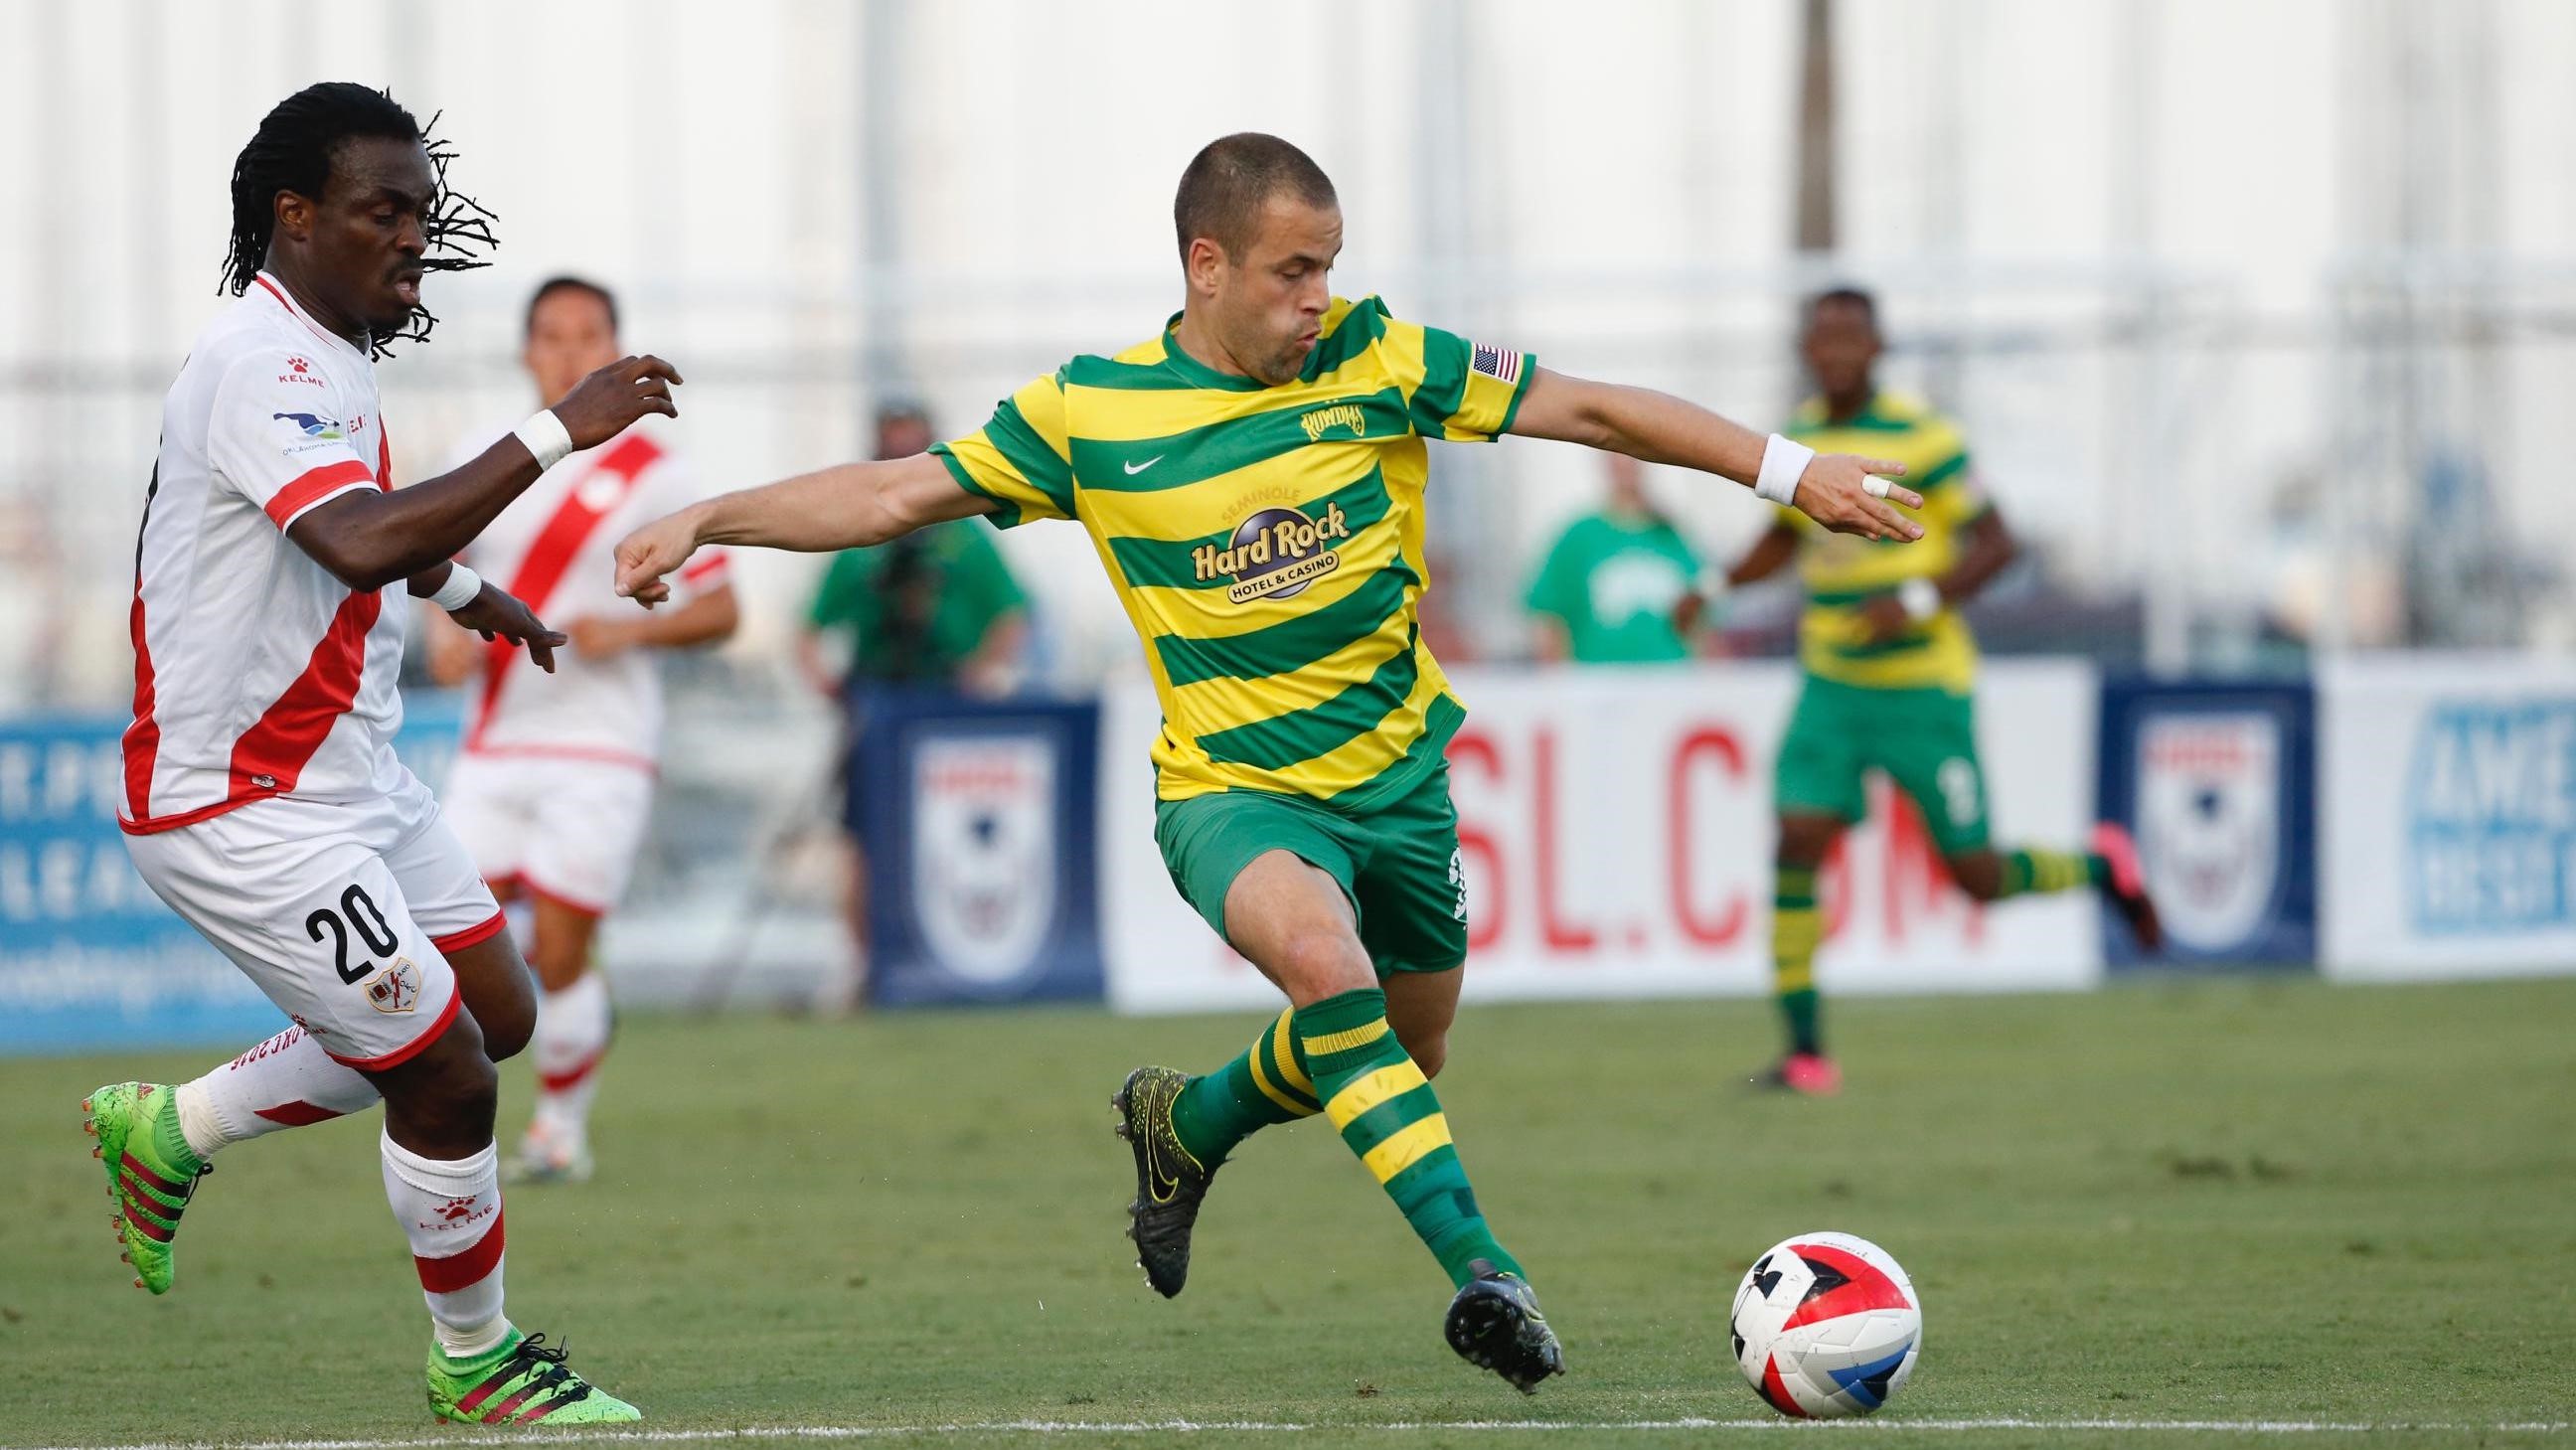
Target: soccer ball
(1826,1325)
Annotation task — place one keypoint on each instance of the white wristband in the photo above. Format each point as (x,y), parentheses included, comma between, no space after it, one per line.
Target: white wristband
(462,588)
(1783,463)
(545,437)
(1921,598)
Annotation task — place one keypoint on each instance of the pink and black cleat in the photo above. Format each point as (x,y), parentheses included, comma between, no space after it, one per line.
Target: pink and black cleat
(1810,1073)
(2127,887)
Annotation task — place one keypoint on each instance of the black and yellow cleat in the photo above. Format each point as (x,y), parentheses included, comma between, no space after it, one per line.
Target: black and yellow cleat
(1495,1322)
(1170,1183)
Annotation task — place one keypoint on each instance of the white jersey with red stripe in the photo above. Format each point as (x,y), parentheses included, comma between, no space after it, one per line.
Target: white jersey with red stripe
(555,548)
(256,672)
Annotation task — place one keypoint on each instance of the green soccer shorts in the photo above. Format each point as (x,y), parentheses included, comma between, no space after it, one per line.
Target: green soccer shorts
(1925,739)
(1397,861)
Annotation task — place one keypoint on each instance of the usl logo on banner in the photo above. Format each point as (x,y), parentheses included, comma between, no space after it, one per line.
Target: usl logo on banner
(2209,791)
(984,844)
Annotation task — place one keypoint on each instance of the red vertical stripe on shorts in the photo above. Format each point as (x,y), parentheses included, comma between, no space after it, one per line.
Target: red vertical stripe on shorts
(463,1270)
(273,751)
(551,556)
(143,737)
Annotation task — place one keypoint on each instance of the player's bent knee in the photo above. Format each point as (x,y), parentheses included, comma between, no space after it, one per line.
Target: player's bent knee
(1322,962)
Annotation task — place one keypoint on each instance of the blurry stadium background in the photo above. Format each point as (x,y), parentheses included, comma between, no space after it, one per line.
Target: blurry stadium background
(2257,316)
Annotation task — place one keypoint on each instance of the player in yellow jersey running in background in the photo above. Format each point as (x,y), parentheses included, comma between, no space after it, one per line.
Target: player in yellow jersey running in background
(1252,477)
(1891,677)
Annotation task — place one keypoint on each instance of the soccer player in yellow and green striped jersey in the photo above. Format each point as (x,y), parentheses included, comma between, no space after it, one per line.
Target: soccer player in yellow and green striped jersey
(1891,676)
(1252,476)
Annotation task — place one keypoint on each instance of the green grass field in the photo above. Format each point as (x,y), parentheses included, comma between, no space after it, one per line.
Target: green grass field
(2177,1202)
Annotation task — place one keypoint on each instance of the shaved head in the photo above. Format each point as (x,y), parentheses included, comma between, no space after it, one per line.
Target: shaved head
(1226,185)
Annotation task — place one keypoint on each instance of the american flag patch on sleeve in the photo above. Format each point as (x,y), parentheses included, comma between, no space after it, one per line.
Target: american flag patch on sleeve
(1502,364)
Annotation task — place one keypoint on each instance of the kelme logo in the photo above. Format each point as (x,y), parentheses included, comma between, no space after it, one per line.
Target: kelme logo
(1275,553)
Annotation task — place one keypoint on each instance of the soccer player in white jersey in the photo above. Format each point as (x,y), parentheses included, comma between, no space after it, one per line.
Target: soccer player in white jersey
(263,801)
(555,781)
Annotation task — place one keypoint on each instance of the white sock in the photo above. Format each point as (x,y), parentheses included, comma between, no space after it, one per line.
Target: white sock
(571,1038)
(452,1214)
(285,1082)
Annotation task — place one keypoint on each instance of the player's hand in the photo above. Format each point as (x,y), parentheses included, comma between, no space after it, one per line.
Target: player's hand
(1883,619)
(1836,492)
(496,612)
(602,638)
(604,404)
(652,551)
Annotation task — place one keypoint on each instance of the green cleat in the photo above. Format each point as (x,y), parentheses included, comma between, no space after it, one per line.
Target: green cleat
(520,1383)
(150,1171)
(1170,1183)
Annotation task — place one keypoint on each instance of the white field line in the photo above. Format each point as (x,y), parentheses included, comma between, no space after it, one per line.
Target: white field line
(570,1435)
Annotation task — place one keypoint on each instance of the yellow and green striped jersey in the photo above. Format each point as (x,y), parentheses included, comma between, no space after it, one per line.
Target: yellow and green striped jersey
(1266,541)
(1842,572)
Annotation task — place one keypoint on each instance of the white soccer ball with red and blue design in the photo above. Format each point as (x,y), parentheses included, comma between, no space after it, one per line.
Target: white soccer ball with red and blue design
(1826,1326)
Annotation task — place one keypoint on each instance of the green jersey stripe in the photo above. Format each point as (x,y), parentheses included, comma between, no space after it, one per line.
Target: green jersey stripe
(1957,464)
(1284,740)
(1429,752)
(1291,644)
(1902,644)
(1113,376)
(1444,384)
(1361,326)
(1167,563)
(1149,465)
(1020,445)
(1005,515)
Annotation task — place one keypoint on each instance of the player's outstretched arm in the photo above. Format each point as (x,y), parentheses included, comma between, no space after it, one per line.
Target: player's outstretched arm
(1834,489)
(368,540)
(849,506)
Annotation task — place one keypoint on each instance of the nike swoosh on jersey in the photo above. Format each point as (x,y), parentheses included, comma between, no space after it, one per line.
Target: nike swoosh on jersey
(1136,468)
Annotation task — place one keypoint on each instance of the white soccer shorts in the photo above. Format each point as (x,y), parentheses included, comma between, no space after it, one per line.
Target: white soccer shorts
(343,914)
(565,830)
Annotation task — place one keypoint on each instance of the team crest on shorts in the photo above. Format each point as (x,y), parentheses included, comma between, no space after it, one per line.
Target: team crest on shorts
(396,988)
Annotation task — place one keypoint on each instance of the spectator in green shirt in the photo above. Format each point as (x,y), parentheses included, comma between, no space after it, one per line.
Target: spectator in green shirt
(933,613)
(1606,593)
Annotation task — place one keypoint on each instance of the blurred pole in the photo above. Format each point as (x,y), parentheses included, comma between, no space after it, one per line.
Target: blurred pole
(1475,523)
(2165,535)
(884,28)
(1815,237)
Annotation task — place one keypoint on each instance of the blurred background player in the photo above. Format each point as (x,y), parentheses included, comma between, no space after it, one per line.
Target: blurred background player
(263,800)
(1891,676)
(935,614)
(554,785)
(1606,591)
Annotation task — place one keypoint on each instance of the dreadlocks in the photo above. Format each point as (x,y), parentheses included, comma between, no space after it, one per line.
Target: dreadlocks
(292,152)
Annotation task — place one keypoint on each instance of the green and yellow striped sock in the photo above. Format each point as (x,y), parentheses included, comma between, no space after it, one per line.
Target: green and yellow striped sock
(1384,1109)
(2027,872)
(1267,1084)
(1796,926)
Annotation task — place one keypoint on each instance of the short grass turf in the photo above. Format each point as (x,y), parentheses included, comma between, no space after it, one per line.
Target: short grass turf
(2228,1201)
